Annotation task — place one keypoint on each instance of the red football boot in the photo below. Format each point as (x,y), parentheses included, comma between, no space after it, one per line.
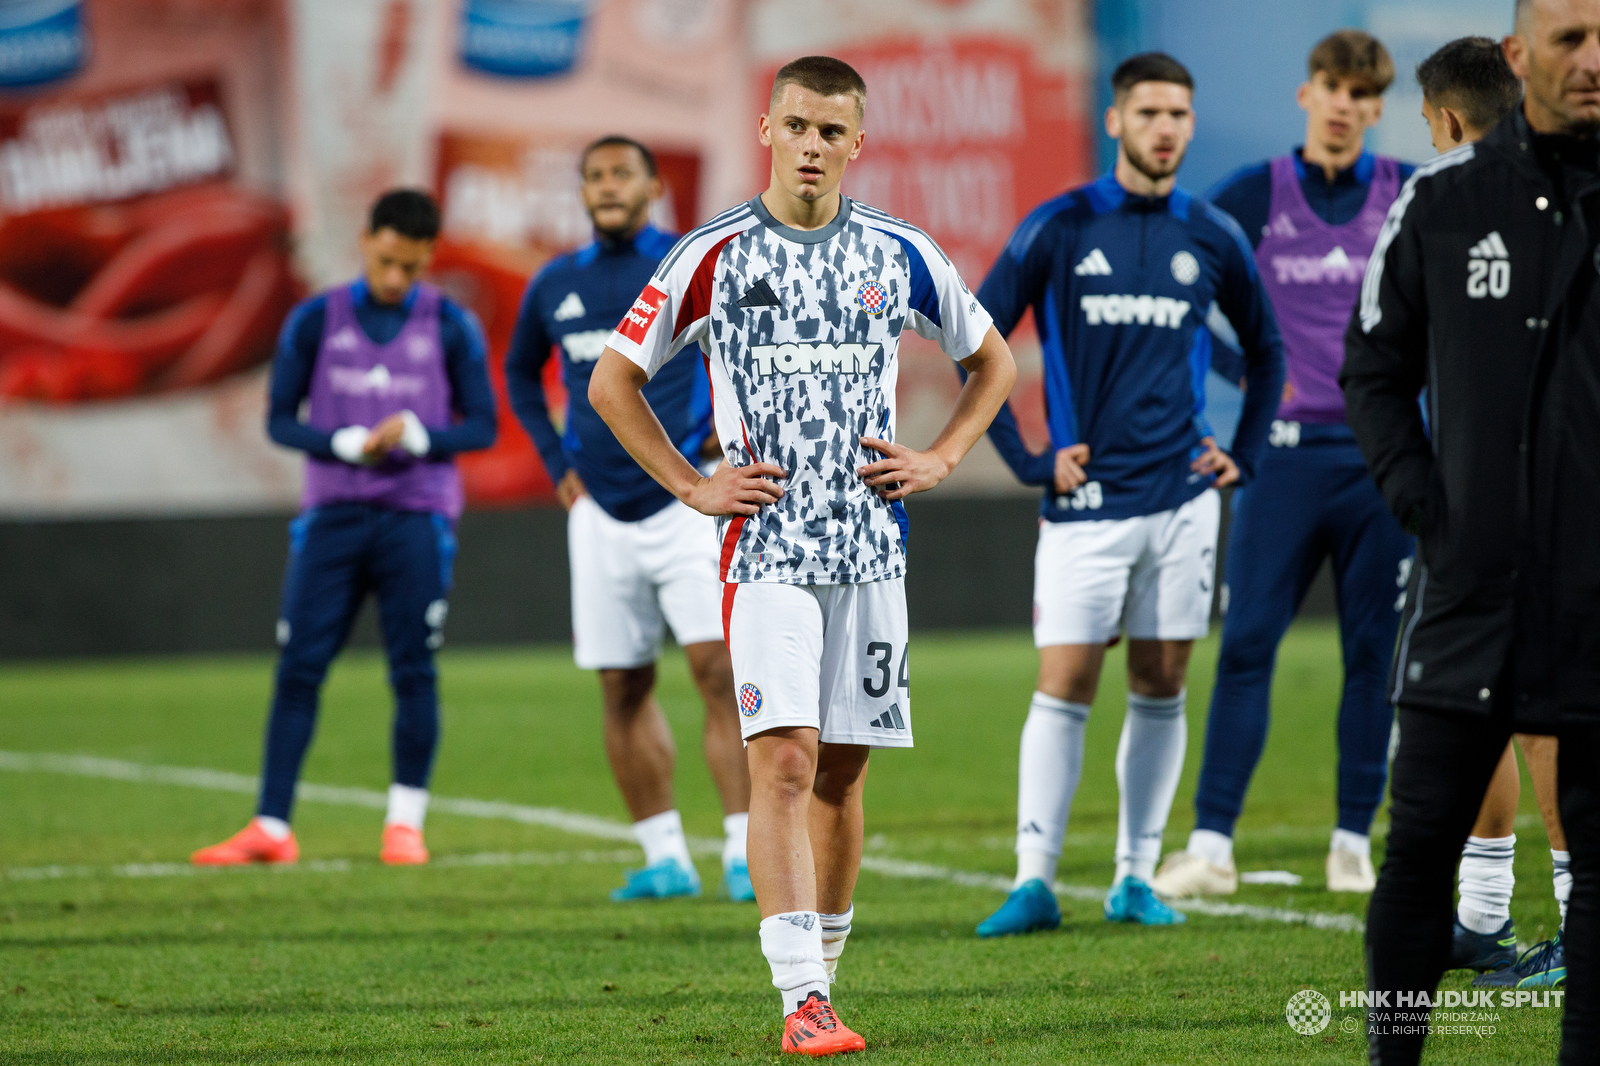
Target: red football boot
(815,1030)
(250,844)
(403,846)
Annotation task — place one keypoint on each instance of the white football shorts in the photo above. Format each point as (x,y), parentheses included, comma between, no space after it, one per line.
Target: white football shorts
(832,657)
(1150,578)
(630,577)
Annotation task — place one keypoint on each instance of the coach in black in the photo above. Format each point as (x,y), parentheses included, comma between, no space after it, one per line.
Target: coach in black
(1485,288)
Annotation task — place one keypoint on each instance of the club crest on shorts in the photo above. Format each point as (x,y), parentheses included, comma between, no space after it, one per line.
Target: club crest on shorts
(749,700)
(872,297)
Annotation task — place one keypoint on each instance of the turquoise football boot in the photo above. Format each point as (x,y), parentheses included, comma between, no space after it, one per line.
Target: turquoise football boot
(667,879)
(1131,900)
(1542,966)
(736,883)
(1031,907)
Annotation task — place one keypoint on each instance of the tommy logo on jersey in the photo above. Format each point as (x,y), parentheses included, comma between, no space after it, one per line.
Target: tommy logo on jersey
(1489,268)
(872,298)
(636,323)
(749,700)
(814,358)
(1336,266)
(1130,310)
(1095,263)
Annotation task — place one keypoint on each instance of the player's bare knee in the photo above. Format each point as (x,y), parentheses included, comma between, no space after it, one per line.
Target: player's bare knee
(783,766)
(712,669)
(627,692)
(841,773)
(1157,668)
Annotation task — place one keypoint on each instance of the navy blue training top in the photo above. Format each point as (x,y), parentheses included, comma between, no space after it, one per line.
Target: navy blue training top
(1120,286)
(575,302)
(465,362)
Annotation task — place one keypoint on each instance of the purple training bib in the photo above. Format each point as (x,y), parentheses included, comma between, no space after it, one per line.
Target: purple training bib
(358,382)
(1312,272)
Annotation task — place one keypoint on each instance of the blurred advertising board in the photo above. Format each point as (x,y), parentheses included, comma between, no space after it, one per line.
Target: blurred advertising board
(174,174)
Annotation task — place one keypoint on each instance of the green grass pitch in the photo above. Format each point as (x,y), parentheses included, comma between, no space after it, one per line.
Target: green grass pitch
(344,960)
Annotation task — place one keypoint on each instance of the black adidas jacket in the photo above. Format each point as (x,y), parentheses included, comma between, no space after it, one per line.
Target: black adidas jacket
(1482,288)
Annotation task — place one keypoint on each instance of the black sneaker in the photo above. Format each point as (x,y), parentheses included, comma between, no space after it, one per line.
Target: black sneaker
(1483,951)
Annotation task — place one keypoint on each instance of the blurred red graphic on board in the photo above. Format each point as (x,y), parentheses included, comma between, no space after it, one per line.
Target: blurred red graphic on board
(128,264)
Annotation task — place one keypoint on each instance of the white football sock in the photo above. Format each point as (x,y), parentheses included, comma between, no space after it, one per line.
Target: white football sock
(1211,846)
(1357,843)
(407,806)
(1562,863)
(1486,882)
(1050,765)
(792,943)
(1035,866)
(1149,763)
(835,930)
(661,837)
(735,829)
(278,829)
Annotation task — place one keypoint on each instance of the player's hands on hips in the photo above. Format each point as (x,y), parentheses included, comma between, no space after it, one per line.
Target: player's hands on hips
(1070,462)
(902,470)
(1216,463)
(569,490)
(744,490)
(384,438)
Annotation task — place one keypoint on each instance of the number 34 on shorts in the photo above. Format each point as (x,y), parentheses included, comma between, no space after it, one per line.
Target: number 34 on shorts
(834,658)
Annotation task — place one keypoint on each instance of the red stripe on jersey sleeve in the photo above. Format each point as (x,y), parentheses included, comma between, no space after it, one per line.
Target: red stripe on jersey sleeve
(697,298)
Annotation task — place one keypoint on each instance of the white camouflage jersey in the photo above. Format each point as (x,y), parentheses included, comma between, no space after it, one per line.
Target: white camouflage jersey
(800,330)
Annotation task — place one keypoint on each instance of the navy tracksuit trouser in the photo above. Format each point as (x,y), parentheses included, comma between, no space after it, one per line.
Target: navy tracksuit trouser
(1310,501)
(338,553)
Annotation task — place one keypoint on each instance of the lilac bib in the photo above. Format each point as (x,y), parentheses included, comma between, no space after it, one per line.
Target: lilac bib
(1313,272)
(358,382)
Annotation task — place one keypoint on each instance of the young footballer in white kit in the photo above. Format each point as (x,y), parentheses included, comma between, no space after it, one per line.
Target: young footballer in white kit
(798,299)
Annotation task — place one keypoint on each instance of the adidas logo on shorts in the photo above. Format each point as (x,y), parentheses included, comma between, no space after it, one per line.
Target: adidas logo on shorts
(889,719)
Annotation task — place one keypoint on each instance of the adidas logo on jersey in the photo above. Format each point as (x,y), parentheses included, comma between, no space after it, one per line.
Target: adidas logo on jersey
(1489,268)
(1131,310)
(817,358)
(1093,263)
(889,719)
(759,295)
(569,308)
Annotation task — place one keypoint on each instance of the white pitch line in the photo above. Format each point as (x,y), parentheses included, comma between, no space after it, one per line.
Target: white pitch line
(551,817)
(318,866)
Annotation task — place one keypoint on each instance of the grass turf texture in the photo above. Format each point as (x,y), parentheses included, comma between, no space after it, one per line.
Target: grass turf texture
(533,964)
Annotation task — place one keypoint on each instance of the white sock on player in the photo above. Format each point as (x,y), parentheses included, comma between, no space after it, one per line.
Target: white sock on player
(1211,846)
(835,931)
(735,829)
(1486,882)
(1561,861)
(407,806)
(1149,763)
(661,837)
(1050,765)
(278,829)
(1355,843)
(792,943)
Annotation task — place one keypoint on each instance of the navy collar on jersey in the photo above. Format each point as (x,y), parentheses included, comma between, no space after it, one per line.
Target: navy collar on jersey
(1107,194)
(649,241)
(803,236)
(1358,173)
(360,294)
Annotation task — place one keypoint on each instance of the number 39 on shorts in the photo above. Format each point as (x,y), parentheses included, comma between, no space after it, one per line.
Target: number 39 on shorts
(877,684)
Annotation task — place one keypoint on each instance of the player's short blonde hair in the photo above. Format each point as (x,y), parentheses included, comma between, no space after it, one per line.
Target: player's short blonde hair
(825,76)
